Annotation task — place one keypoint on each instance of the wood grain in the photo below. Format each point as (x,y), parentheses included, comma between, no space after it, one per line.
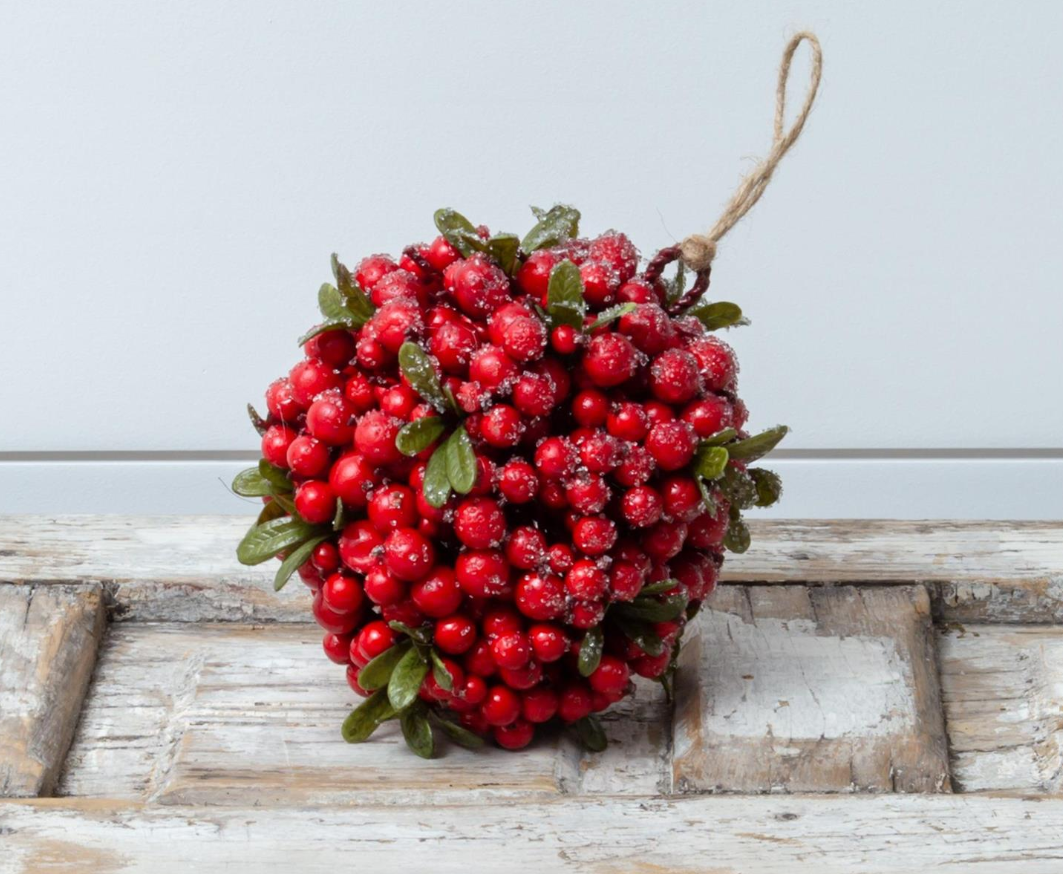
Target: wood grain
(694,835)
(183,568)
(48,641)
(229,714)
(1002,688)
(796,689)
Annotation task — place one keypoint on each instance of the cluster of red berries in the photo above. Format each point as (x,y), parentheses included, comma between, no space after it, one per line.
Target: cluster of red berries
(508,471)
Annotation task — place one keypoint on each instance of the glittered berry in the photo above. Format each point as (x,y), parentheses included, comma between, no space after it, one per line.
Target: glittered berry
(438,594)
(672,444)
(408,554)
(315,502)
(455,634)
(609,360)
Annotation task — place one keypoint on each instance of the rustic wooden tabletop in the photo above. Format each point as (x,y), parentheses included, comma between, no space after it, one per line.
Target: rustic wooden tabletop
(857,697)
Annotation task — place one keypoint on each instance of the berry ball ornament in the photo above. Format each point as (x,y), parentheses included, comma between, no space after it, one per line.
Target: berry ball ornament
(509,469)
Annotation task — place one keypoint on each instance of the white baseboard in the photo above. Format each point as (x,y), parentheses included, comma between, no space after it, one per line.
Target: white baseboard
(815,487)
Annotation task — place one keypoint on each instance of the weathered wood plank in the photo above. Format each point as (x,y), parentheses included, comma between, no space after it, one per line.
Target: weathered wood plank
(183,568)
(48,640)
(1002,687)
(230,714)
(697,835)
(796,689)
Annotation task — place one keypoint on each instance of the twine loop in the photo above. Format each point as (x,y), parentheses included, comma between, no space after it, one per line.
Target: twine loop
(698,250)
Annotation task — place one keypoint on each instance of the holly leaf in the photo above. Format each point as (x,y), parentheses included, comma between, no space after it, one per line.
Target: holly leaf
(296,559)
(759,445)
(277,476)
(652,610)
(330,302)
(718,314)
(256,420)
(251,484)
(658,588)
(416,366)
(768,484)
(377,671)
(366,717)
(418,732)
(436,486)
(406,679)
(590,650)
(590,734)
(505,249)
(710,461)
(556,225)
(641,633)
(737,537)
(264,541)
(564,296)
(418,435)
(459,232)
(441,673)
(458,734)
(461,462)
(611,314)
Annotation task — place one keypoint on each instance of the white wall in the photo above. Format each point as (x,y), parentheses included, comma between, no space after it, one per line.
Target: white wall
(174,176)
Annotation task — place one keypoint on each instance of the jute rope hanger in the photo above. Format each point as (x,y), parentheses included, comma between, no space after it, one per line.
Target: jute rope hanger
(698,250)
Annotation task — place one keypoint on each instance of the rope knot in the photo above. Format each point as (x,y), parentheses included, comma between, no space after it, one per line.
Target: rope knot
(698,250)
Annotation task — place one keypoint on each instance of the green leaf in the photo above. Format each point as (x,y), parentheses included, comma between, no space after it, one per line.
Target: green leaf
(458,734)
(653,610)
(270,511)
(418,732)
(263,542)
(440,672)
(436,484)
(406,680)
(339,272)
(345,309)
(564,296)
(590,650)
(377,672)
(462,468)
(768,484)
(555,226)
(421,634)
(417,367)
(710,461)
(505,249)
(295,559)
(277,476)
(366,717)
(737,537)
(459,232)
(611,314)
(338,518)
(759,445)
(739,488)
(251,484)
(658,588)
(640,632)
(359,305)
(331,303)
(720,437)
(286,503)
(418,435)
(590,733)
(674,288)
(716,315)
(256,420)
(707,497)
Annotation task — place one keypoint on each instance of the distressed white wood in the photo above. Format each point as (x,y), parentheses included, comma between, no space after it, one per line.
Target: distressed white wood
(230,714)
(1002,689)
(697,835)
(48,640)
(792,689)
(184,568)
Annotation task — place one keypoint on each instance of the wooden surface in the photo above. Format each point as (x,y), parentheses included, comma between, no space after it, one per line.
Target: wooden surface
(183,568)
(796,689)
(48,639)
(860,697)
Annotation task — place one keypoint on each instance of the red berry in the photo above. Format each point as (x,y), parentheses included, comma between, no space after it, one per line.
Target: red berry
(672,444)
(455,634)
(490,367)
(479,523)
(625,581)
(352,681)
(534,274)
(674,376)
(539,705)
(501,706)
(611,676)
(526,547)
(664,540)
(501,619)
(311,378)
(522,678)
(408,554)
(479,661)
(330,620)
(628,421)
(590,408)
(315,502)
(372,269)
(594,535)
(555,457)
(281,402)
(374,638)
(682,498)
(502,427)
(709,415)
(325,557)
(383,587)
(479,287)
(649,328)
(441,254)
(482,573)
(511,650)
(599,284)
(517,481)
(548,642)
(335,348)
(438,594)
(540,596)
(352,477)
(609,360)
(642,506)
(525,339)
(514,736)
(574,702)
(307,456)
(275,444)
(375,437)
(342,594)
(564,339)
(716,362)
(360,546)
(337,647)
(393,506)
(586,581)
